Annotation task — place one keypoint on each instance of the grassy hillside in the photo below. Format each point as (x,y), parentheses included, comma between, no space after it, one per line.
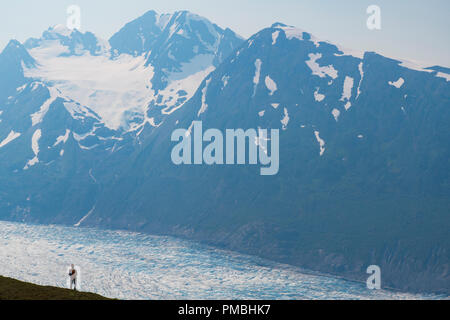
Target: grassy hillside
(11,289)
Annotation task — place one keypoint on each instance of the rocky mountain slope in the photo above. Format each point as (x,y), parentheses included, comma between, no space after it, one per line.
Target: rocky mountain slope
(363,173)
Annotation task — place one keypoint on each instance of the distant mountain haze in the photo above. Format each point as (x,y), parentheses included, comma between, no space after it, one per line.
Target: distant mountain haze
(85,140)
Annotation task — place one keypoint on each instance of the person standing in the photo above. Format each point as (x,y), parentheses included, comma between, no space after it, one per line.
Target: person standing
(73,277)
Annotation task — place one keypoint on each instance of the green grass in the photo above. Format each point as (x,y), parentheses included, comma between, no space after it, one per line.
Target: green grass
(11,289)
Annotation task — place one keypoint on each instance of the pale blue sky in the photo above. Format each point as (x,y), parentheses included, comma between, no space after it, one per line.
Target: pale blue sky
(411,29)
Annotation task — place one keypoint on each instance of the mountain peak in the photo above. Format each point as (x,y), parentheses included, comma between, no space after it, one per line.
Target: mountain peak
(61,30)
(278,24)
(67,42)
(15,53)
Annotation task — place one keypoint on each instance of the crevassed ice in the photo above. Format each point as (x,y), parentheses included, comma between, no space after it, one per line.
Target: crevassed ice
(126,265)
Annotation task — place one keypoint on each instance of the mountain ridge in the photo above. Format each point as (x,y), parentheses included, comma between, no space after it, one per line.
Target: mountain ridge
(349,142)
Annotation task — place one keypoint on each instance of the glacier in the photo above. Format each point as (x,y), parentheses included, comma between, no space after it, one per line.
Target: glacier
(127,265)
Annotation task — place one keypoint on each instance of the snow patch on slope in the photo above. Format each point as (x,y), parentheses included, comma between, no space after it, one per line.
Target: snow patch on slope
(398,84)
(189,84)
(336,113)
(320,141)
(258,64)
(62,139)
(317,70)
(204,104)
(11,136)
(85,217)
(35,147)
(317,96)
(37,117)
(275,37)
(271,85)
(285,120)
(347,90)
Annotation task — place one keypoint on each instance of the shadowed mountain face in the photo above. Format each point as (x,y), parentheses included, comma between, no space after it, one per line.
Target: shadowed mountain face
(363,176)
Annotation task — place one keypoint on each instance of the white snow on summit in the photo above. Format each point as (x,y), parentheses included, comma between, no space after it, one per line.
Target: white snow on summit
(61,30)
(296,33)
(446,76)
(275,37)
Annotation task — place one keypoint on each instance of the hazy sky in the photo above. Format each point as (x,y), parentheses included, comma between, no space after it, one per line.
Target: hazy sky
(411,29)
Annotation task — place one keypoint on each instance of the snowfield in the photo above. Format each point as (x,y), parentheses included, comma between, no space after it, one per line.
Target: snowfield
(108,87)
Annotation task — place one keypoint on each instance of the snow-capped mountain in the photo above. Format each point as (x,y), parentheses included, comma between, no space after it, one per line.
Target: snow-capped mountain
(361,152)
(13,59)
(63,42)
(70,100)
(181,48)
(85,140)
(130,87)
